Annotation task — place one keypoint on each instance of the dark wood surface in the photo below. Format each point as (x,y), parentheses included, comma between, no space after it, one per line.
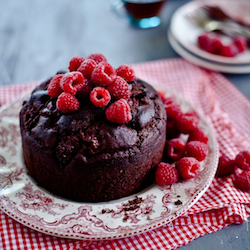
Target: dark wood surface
(38,37)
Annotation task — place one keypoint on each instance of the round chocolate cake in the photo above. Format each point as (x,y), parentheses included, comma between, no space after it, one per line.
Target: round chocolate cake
(83,156)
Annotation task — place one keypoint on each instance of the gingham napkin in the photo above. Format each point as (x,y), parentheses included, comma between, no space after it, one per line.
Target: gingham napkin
(222,204)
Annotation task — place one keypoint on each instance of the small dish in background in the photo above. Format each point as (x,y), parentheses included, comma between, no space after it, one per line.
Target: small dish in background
(186,33)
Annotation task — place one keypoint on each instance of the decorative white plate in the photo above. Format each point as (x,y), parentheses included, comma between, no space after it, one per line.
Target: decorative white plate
(191,57)
(34,207)
(186,33)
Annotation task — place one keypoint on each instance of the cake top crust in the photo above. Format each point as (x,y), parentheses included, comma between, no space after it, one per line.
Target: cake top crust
(87,129)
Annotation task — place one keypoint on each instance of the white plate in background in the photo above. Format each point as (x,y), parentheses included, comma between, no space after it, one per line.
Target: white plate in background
(186,33)
(200,61)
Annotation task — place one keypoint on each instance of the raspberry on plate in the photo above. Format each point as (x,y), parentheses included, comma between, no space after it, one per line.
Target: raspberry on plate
(175,148)
(172,131)
(210,42)
(103,74)
(188,167)
(72,82)
(242,180)
(172,108)
(229,50)
(67,103)
(225,166)
(198,135)
(187,123)
(162,95)
(213,43)
(166,174)
(97,57)
(54,88)
(126,72)
(242,160)
(241,43)
(99,96)
(203,39)
(215,46)
(119,112)
(87,67)
(119,88)
(196,149)
(75,62)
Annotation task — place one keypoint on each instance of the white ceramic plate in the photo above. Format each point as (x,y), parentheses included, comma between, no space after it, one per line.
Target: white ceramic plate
(191,57)
(34,207)
(186,33)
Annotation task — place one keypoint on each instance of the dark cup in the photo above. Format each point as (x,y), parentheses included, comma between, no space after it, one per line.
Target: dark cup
(141,13)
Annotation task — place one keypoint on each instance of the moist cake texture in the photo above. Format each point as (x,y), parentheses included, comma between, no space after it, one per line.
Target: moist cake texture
(83,156)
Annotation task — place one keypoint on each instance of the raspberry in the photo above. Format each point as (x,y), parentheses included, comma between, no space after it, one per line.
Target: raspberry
(126,72)
(194,114)
(241,43)
(103,74)
(75,62)
(97,57)
(187,123)
(119,88)
(87,67)
(162,95)
(119,112)
(188,167)
(85,91)
(172,108)
(203,40)
(196,149)
(198,135)
(175,148)
(242,180)
(225,166)
(72,82)
(99,96)
(242,160)
(172,131)
(210,43)
(54,88)
(67,102)
(229,50)
(166,174)
(215,46)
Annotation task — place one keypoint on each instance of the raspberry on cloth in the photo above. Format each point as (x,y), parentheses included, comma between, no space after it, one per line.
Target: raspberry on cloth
(221,205)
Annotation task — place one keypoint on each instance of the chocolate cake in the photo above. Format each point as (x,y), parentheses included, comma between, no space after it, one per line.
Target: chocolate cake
(82,156)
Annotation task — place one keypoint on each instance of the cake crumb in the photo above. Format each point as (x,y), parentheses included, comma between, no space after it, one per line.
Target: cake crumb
(107,210)
(178,202)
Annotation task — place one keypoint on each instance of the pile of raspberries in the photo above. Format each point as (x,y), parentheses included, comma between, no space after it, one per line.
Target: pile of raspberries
(211,42)
(94,78)
(182,154)
(182,157)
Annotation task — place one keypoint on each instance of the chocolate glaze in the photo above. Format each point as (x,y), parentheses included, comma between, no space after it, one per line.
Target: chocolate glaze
(83,156)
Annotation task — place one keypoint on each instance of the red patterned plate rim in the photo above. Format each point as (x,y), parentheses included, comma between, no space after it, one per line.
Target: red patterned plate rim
(34,207)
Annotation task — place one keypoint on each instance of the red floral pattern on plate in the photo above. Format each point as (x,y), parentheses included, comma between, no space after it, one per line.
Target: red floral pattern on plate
(36,208)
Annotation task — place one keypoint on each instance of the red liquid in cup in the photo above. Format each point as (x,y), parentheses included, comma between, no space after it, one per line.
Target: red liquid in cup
(143,9)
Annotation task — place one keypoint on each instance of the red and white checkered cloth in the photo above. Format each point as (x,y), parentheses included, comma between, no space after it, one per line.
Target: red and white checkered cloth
(221,205)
